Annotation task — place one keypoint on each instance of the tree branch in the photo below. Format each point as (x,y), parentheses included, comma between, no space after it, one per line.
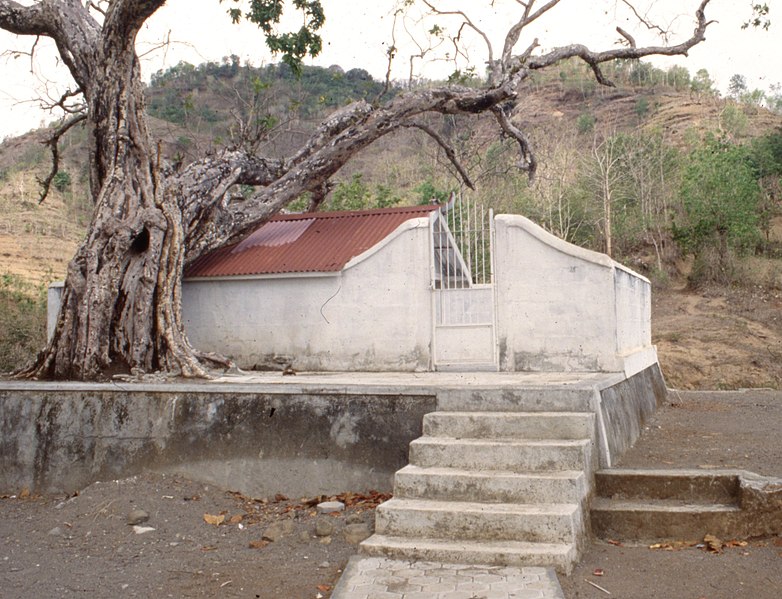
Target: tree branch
(512,37)
(527,160)
(468,22)
(594,59)
(449,152)
(67,22)
(53,142)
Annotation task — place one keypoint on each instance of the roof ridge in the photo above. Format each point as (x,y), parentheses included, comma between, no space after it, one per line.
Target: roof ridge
(423,208)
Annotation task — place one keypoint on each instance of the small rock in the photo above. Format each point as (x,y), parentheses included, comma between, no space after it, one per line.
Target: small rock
(324,565)
(355,533)
(304,536)
(354,518)
(55,532)
(324,528)
(273,533)
(288,526)
(137,517)
(329,507)
(140,530)
(325,541)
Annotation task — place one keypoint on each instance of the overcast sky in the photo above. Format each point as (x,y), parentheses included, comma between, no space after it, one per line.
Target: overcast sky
(357,34)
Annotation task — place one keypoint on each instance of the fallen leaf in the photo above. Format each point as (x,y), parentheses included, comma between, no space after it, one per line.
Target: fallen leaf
(258,544)
(736,543)
(615,543)
(209,548)
(324,587)
(215,520)
(280,497)
(599,572)
(24,493)
(713,544)
(236,519)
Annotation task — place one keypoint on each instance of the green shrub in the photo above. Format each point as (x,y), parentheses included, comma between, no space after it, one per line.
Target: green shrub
(22,321)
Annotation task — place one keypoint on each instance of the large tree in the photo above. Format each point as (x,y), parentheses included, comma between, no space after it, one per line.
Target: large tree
(121,302)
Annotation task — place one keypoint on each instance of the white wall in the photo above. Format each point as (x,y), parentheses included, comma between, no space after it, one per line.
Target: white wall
(564,308)
(374,315)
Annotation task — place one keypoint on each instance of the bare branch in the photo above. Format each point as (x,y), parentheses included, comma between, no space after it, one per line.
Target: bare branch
(468,22)
(512,37)
(630,39)
(527,160)
(449,152)
(594,59)
(53,142)
(67,22)
(649,25)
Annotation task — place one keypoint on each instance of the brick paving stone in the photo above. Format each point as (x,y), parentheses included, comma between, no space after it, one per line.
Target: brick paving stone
(457,595)
(437,587)
(382,578)
(407,571)
(487,578)
(421,595)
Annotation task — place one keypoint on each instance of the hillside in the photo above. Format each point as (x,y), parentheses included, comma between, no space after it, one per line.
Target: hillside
(660,127)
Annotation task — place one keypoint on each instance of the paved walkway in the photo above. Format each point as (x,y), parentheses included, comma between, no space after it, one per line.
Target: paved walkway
(382,578)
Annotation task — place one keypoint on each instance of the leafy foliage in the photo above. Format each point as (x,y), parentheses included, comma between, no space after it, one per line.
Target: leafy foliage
(292,45)
(357,195)
(720,198)
(22,321)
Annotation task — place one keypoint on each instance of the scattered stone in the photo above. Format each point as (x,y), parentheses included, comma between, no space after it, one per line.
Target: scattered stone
(55,532)
(325,541)
(140,530)
(324,528)
(329,507)
(354,518)
(137,517)
(355,533)
(273,533)
(324,565)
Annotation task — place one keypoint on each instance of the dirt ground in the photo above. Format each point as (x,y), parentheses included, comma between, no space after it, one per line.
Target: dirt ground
(83,546)
(703,429)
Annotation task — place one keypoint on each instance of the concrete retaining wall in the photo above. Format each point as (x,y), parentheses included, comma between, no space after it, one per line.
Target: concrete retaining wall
(624,408)
(57,438)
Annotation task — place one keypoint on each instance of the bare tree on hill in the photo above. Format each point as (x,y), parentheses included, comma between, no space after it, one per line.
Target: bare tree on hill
(121,302)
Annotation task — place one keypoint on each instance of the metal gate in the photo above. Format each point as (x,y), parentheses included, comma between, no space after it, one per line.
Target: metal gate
(464,335)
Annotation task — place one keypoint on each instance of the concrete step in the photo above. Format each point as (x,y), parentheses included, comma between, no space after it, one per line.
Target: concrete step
(546,398)
(652,520)
(509,553)
(512,455)
(520,425)
(547,523)
(684,485)
(443,484)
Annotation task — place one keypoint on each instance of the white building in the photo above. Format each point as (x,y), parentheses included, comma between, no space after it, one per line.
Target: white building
(401,289)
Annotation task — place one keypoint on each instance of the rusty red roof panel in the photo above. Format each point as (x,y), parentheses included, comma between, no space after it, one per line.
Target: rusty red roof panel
(309,242)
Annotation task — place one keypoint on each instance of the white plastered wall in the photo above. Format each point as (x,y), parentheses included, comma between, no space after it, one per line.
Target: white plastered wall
(563,308)
(375,315)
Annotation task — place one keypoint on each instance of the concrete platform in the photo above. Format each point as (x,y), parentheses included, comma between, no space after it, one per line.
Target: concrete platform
(382,578)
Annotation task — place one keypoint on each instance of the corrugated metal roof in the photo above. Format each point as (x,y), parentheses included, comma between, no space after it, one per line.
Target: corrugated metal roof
(309,242)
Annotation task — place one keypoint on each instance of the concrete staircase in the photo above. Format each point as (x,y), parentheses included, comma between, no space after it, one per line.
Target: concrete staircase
(492,487)
(649,505)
